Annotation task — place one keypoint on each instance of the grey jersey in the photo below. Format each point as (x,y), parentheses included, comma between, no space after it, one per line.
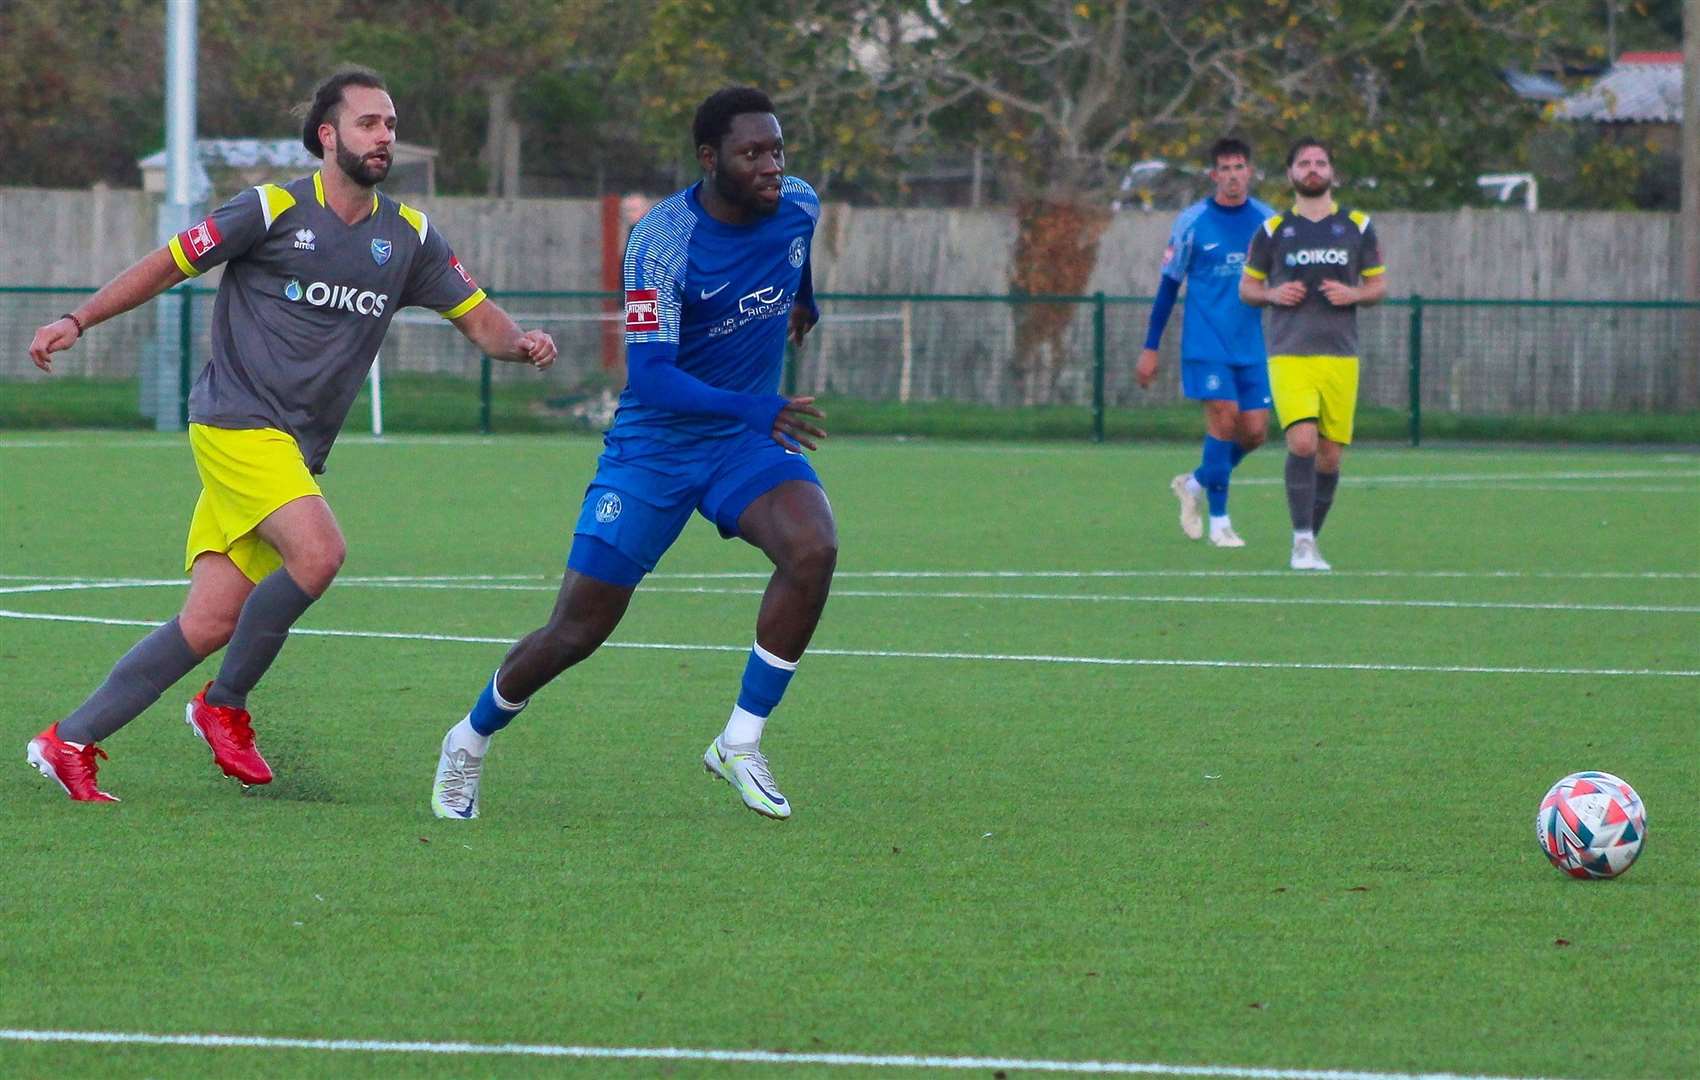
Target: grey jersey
(304,304)
(1340,247)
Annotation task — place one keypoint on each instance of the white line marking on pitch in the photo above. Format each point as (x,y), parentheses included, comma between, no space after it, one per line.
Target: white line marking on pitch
(742,1057)
(909,594)
(900,654)
(481,584)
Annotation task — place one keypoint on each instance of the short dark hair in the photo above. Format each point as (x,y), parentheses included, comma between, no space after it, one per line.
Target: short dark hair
(328,96)
(714,116)
(1305,143)
(1229,147)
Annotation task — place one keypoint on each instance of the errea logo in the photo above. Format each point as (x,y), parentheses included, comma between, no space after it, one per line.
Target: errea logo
(338,297)
(305,240)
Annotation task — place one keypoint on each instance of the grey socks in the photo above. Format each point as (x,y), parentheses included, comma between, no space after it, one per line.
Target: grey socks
(270,610)
(148,670)
(1301,491)
(1326,482)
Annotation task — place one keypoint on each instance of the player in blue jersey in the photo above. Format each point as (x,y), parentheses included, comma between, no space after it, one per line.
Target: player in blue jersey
(1222,358)
(717,277)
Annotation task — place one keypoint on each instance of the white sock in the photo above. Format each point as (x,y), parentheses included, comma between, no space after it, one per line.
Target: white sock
(462,737)
(1303,534)
(1193,487)
(743,728)
(1217,524)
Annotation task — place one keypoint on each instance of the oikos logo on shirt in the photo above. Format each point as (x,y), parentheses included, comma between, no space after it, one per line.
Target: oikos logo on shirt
(1319,257)
(338,297)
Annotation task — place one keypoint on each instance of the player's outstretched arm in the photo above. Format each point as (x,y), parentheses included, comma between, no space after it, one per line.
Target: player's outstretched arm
(496,335)
(151,275)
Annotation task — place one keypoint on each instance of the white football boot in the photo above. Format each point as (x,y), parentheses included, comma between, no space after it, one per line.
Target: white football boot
(1192,506)
(746,770)
(1306,557)
(455,794)
(1226,537)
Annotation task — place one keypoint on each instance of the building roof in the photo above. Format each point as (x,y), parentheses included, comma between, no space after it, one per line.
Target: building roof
(1642,87)
(1532,86)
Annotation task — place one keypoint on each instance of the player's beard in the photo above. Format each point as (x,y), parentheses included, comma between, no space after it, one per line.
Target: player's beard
(743,198)
(1311,191)
(360,170)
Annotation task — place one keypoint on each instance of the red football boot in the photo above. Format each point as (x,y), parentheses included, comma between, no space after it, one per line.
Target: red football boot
(73,769)
(230,734)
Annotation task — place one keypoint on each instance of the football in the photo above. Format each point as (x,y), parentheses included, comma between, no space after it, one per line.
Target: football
(1591,825)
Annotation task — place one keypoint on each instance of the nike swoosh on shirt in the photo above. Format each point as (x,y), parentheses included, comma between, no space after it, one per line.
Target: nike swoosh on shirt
(1208,247)
(706,293)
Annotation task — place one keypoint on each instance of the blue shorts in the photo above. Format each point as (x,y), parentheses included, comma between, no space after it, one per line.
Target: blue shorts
(1212,380)
(644,492)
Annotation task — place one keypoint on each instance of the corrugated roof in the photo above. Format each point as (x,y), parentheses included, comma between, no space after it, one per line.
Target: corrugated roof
(1640,88)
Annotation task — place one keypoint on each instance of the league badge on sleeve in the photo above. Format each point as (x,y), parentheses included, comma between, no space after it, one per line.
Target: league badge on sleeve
(461,270)
(381,251)
(643,310)
(202,238)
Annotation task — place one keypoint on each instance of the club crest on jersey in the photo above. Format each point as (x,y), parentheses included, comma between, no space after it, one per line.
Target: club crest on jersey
(643,312)
(305,240)
(799,252)
(608,507)
(381,251)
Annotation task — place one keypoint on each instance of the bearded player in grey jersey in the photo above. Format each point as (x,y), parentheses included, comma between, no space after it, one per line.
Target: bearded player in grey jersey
(313,272)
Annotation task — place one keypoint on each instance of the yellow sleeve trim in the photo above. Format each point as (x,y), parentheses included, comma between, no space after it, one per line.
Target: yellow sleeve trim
(1360,219)
(181,259)
(1270,225)
(319,188)
(414,218)
(274,201)
(1255,275)
(1374,270)
(465,305)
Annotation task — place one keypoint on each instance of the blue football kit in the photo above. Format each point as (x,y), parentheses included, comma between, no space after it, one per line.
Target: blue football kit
(1222,353)
(708,307)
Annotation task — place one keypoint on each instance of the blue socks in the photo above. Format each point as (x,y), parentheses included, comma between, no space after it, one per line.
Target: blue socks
(765,678)
(1220,457)
(491,713)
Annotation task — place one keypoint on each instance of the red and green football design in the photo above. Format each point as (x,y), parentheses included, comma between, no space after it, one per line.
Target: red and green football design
(1591,825)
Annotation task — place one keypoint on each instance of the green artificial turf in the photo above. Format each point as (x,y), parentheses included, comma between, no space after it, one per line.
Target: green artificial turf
(1008,840)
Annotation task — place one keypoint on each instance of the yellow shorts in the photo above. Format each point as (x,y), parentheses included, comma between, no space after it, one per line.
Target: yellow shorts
(1320,388)
(245,475)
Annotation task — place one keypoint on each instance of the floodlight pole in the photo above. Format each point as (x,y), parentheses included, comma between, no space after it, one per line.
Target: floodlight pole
(1689,378)
(177,211)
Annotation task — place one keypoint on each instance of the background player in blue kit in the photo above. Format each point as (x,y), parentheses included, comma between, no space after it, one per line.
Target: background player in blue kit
(1222,358)
(716,277)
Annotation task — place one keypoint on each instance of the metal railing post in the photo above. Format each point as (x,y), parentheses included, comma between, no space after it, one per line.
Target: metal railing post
(1416,353)
(185,352)
(1098,367)
(484,395)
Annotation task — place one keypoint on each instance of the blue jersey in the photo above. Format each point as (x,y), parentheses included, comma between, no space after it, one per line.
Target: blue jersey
(714,300)
(1207,250)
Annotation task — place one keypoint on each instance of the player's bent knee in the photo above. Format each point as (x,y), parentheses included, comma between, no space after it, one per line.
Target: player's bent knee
(206,633)
(813,559)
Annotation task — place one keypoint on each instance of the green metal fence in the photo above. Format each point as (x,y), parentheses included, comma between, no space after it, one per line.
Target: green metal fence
(937,363)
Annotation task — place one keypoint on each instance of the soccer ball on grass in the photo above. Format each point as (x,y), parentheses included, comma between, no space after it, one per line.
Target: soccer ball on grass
(1591,825)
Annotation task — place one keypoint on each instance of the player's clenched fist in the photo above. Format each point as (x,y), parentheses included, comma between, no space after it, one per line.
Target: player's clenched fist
(538,348)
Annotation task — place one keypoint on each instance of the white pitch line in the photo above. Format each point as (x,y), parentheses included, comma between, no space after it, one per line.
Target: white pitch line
(910,594)
(1100,598)
(741,1057)
(899,654)
(1013,575)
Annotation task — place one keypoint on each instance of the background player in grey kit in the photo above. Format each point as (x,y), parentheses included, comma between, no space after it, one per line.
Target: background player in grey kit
(1316,266)
(313,272)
